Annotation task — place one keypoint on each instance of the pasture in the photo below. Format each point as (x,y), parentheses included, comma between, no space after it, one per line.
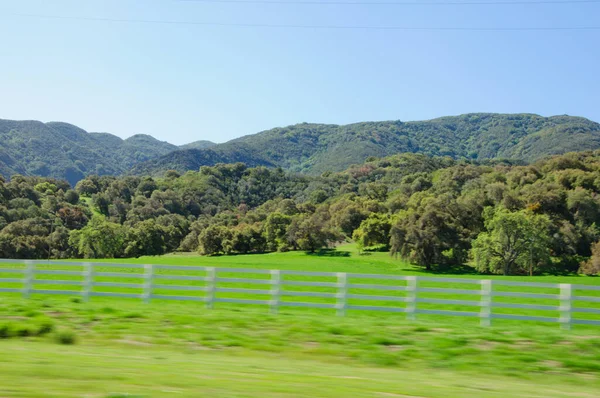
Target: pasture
(123,347)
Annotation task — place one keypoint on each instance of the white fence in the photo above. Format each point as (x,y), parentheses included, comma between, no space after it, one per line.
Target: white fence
(487,299)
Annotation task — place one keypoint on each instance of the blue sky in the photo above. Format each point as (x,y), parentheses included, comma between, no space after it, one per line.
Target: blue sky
(182,83)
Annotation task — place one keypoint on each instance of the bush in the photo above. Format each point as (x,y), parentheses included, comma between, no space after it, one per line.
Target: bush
(66,337)
(45,327)
(592,266)
(6,331)
(589,268)
(24,330)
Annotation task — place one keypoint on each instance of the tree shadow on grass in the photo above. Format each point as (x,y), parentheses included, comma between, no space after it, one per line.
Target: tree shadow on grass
(445,270)
(329,253)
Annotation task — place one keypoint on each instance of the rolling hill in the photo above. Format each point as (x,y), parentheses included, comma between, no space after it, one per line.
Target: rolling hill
(62,150)
(65,151)
(316,148)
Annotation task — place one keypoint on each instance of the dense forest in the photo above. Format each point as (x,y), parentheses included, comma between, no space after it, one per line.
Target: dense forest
(437,212)
(316,148)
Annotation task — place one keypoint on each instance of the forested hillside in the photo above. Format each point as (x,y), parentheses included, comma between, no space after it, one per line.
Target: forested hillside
(202,144)
(437,212)
(317,148)
(61,150)
(64,151)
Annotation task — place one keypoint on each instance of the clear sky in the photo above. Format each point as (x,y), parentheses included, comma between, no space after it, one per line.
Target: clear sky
(182,82)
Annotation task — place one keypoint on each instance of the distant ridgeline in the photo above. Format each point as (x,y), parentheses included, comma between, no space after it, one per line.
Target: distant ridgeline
(437,212)
(64,151)
(317,148)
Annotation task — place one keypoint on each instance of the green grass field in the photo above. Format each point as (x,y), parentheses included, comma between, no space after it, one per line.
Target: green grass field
(344,259)
(124,348)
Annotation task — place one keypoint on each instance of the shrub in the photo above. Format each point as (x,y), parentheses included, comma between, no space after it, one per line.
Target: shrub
(592,266)
(66,337)
(6,331)
(45,327)
(24,330)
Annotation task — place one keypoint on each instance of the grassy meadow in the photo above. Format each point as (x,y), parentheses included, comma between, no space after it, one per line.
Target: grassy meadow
(345,258)
(61,346)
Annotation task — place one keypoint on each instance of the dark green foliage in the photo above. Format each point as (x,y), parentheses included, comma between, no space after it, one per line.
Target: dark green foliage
(72,197)
(45,326)
(431,232)
(66,337)
(146,238)
(6,330)
(276,226)
(25,239)
(310,233)
(245,239)
(213,240)
(431,211)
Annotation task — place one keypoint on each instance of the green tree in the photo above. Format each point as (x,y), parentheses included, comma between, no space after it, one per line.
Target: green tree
(347,215)
(245,239)
(514,242)
(146,238)
(25,239)
(374,231)
(592,265)
(72,197)
(309,233)
(99,239)
(213,240)
(430,234)
(275,227)
(86,187)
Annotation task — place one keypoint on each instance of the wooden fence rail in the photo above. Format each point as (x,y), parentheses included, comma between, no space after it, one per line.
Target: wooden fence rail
(486,299)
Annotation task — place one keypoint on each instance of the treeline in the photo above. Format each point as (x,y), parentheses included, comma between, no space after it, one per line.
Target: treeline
(435,212)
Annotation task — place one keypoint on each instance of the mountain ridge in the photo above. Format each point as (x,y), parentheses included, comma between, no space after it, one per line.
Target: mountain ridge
(65,151)
(316,148)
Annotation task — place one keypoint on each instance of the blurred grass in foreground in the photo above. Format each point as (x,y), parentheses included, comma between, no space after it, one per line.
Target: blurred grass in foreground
(116,347)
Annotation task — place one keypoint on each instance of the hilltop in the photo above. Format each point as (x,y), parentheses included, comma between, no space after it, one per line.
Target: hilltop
(317,148)
(65,151)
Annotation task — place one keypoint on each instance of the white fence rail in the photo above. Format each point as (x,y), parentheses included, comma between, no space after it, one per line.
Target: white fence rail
(565,304)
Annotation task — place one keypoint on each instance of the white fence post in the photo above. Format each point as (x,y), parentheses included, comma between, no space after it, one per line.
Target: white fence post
(211,275)
(411,297)
(485,312)
(342,280)
(275,290)
(565,305)
(567,297)
(28,278)
(88,280)
(148,280)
